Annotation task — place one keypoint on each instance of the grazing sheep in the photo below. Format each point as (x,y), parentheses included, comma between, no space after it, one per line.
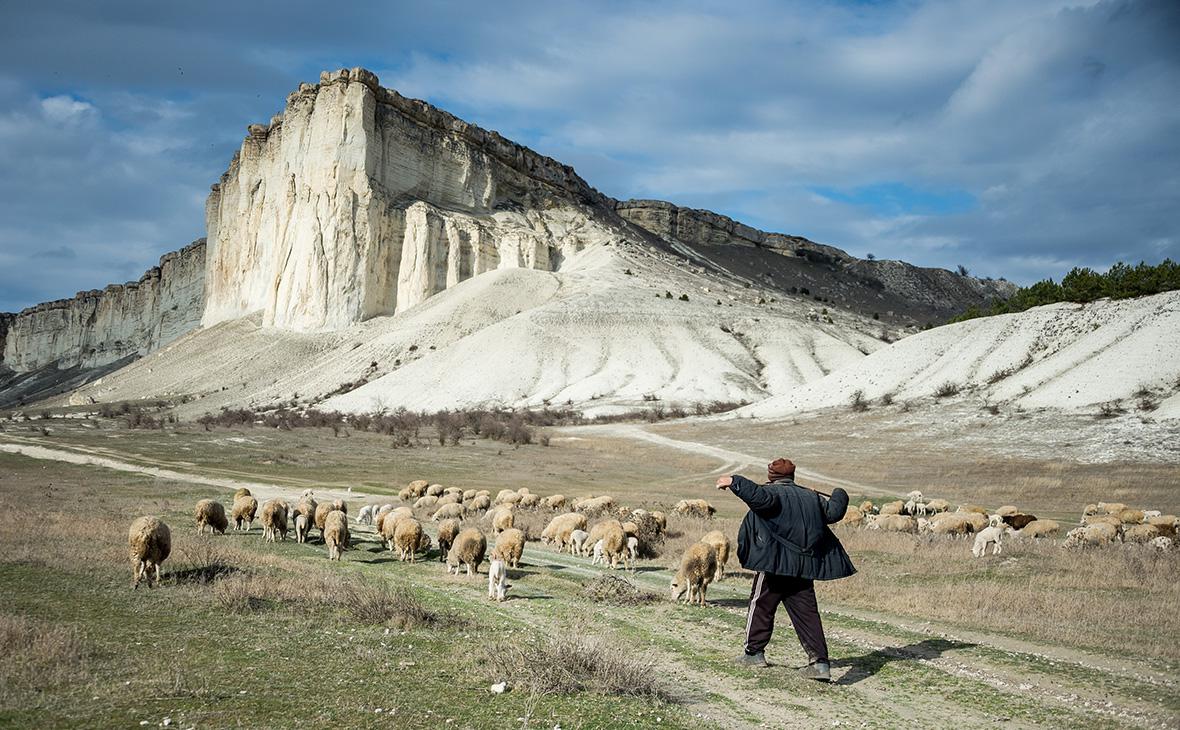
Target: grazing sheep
(274,520)
(891,508)
(1149,513)
(418,487)
(530,501)
(991,535)
(599,556)
(426,502)
(1161,520)
(335,532)
(434,490)
(561,527)
(1111,508)
(467,550)
(497,579)
(1018,522)
(449,498)
(323,509)
(1090,509)
(952,524)
(698,565)
(723,546)
(1039,528)
(1162,543)
(630,529)
(150,542)
(245,508)
(978,521)
(853,517)
(914,496)
(694,508)
(916,509)
(935,506)
(1097,534)
(614,544)
(211,514)
(388,527)
(633,548)
(502,519)
(866,507)
(577,541)
(599,530)
(447,511)
(468,495)
(406,495)
(365,516)
(507,496)
(1141,533)
(392,516)
(1131,516)
(242,492)
(406,536)
(481,503)
(1006,510)
(661,520)
(447,530)
(510,546)
(594,506)
(554,502)
(894,523)
(972,509)
(1102,519)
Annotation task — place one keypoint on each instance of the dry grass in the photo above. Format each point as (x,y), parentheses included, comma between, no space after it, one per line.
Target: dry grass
(35,655)
(615,590)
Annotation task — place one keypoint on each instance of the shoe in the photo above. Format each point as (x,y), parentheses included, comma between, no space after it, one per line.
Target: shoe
(819,671)
(751,660)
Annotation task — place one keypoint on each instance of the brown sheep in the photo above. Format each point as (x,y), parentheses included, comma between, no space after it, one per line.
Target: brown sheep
(694,508)
(614,543)
(1141,533)
(595,505)
(335,532)
(866,507)
(853,517)
(211,514)
(447,511)
(245,508)
(509,547)
(891,508)
(698,565)
(560,527)
(388,529)
(426,502)
(894,523)
(406,536)
(1131,516)
(661,520)
(597,532)
(418,487)
(1040,528)
(723,546)
(304,518)
(468,550)
(937,505)
(972,509)
(1018,521)
(150,542)
(406,495)
(274,520)
(502,519)
(1111,508)
(323,509)
(554,502)
(480,503)
(447,530)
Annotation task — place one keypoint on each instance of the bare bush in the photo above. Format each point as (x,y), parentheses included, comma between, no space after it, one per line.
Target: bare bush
(615,590)
(946,390)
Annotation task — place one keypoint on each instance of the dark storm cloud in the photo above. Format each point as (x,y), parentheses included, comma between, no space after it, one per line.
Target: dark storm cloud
(1016,138)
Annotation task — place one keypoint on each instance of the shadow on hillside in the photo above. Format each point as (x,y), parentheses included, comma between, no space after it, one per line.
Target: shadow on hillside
(864,666)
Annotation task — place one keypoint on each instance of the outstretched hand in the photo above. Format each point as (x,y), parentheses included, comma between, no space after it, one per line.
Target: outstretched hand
(724,482)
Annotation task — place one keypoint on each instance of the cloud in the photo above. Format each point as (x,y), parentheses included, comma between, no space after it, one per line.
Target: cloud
(1019,139)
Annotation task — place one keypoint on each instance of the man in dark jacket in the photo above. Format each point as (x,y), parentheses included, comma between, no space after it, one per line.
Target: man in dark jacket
(785,539)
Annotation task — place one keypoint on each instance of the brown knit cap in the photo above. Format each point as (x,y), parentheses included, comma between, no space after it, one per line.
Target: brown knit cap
(780,468)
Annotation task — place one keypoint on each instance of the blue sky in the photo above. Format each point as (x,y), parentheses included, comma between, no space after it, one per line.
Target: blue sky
(1017,138)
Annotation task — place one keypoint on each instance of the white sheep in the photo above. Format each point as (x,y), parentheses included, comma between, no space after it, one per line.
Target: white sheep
(365,516)
(633,548)
(994,535)
(497,579)
(599,557)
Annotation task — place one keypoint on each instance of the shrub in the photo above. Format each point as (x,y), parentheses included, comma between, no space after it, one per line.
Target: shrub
(616,590)
(1110,409)
(887,399)
(567,665)
(859,404)
(946,390)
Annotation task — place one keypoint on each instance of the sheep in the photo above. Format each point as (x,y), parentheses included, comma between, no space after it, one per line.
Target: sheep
(1170,521)
(1006,510)
(630,529)
(554,502)
(434,490)
(1111,508)
(952,524)
(323,509)
(530,501)
(594,506)
(1162,543)
(365,516)
(891,508)
(1102,519)
(335,532)
(633,548)
(1131,516)
(894,523)
(1039,528)
(916,509)
(244,510)
(446,512)
(694,508)
(854,517)
(1141,533)
(274,521)
(723,546)
(507,496)
(866,507)
(467,550)
(1018,522)
(972,509)
(483,493)
(456,490)
(937,505)
(661,520)
(991,535)
(1149,513)
(406,495)
(406,536)
(302,527)
(978,521)
(1096,534)
(502,519)
(426,502)
(417,487)
(211,514)
(241,492)
(598,531)
(481,503)
(995,520)
(561,527)
(497,579)
(510,546)
(388,527)
(698,565)
(392,516)
(578,541)
(468,495)
(447,529)
(150,542)
(599,556)
(914,496)
(449,498)
(1090,509)
(615,544)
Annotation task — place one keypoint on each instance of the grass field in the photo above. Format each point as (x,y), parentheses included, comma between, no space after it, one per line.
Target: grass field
(248,633)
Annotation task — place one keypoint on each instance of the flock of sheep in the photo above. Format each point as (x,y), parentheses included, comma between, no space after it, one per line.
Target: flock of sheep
(616,537)
(1102,523)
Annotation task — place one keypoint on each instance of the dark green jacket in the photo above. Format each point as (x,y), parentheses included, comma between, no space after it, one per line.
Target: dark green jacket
(786,530)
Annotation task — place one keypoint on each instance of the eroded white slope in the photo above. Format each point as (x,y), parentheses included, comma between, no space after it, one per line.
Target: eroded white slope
(1060,356)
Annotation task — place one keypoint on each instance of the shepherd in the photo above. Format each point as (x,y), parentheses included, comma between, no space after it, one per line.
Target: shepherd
(786,541)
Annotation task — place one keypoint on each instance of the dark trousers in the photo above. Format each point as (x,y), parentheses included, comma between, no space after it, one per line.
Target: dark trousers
(798,595)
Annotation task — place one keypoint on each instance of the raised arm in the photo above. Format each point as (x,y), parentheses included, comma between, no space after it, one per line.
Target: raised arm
(755,498)
(835,507)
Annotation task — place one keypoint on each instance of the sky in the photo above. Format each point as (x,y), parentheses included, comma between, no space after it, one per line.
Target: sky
(1019,138)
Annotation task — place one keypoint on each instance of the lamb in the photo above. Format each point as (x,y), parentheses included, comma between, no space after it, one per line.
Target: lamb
(599,557)
(1141,533)
(497,579)
(916,509)
(244,510)
(467,550)
(633,548)
(1131,516)
(274,520)
(150,542)
(1039,528)
(434,490)
(894,523)
(1096,534)
(891,508)
(447,530)
(694,508)
(510,546)
(1019,521)
(481,503)
(211,514)
(426,502)
(595,505)
(1149,513)
(365,516)
(698,565)
(335,532)
(302,527)
(555,501)
(406,537)
(447,511)
(723,546)
(992,535)
(577,541)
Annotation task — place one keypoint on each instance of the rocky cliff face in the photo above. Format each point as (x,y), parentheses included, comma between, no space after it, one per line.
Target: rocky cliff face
(98,327)
(356,202)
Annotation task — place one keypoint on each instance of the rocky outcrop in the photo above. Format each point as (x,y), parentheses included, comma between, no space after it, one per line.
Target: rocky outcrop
(99,327)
